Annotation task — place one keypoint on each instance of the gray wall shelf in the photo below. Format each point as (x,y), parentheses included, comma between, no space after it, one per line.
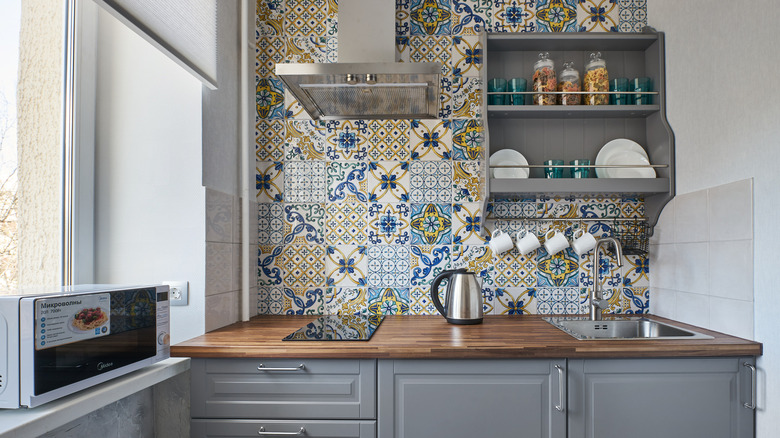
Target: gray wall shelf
(578,132)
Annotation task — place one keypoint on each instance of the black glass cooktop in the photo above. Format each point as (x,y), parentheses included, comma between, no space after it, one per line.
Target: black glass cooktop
(338,328)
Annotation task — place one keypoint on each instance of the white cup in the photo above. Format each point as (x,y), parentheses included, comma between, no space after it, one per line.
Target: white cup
(527,242)
(582,241)
(500,242)
(555,242)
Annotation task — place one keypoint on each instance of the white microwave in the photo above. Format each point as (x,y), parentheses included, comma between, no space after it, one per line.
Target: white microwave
(55,344)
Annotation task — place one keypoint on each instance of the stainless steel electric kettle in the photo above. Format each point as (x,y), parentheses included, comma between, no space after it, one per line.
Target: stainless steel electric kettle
(463,298)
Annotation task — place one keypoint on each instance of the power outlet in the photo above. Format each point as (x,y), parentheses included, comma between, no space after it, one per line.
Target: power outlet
(179,293)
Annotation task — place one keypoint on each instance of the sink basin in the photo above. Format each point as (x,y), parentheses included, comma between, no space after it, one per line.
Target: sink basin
(623,328)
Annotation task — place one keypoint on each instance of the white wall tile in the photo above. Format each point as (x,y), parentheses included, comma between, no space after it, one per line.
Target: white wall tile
(235,272)
(690,217)
(731,211)
(692,309)
(732,317)
(663,302)
(223,310)
(663,232)
(219,259)
(219,216)
(731,269)
(663,262)
(692,268)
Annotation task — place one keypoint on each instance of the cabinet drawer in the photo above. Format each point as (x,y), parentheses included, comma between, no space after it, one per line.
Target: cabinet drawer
(283,388)
(290,428)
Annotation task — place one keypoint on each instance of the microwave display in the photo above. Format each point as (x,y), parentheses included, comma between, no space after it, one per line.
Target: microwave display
(84,336)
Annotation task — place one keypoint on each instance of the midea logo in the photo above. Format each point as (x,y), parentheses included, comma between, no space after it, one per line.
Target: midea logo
(101,366)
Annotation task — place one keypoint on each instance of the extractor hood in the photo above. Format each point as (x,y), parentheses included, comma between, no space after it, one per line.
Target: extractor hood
(368,84)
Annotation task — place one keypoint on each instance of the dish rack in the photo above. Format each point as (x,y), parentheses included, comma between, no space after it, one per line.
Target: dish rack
(633,235)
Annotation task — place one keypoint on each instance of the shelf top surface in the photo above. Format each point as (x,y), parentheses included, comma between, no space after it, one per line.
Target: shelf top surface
(570,41)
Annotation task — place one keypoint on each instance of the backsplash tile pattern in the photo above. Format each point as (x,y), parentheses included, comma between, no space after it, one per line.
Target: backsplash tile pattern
(360,216)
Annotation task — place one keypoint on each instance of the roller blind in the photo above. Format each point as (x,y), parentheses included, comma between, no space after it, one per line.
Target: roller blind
(186,30)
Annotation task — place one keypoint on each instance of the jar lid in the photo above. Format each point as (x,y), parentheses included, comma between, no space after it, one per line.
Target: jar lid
(595,61)
(569,71)
(544,61)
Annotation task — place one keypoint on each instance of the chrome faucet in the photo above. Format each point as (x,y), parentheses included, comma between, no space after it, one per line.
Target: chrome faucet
(597,303)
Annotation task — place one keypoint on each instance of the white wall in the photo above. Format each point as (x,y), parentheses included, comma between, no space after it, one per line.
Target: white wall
(722,62)
(149,202)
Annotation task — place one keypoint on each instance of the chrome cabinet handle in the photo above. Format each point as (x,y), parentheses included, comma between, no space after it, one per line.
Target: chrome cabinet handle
(262,432)
(753,383)
(300,367)
(559,406)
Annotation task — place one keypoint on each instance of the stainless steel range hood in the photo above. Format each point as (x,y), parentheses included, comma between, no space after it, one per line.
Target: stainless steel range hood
(368,84)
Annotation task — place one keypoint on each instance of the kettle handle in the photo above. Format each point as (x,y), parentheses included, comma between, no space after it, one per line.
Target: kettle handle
(435,289)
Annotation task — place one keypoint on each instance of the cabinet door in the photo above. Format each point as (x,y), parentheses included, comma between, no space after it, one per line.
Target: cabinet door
(651,398)
(284,388)
(471,398)
(282,428)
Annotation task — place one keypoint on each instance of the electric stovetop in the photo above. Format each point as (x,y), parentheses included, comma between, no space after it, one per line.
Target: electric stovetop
(338,328)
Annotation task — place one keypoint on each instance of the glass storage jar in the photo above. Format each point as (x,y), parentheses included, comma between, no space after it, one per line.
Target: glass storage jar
(569,80)
(545,80)
(596,80)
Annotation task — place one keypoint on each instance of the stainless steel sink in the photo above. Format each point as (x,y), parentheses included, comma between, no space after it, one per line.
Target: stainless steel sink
(622,328)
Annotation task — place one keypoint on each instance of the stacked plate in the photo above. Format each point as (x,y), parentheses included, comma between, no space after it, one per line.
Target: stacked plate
(508,157)
(624,152)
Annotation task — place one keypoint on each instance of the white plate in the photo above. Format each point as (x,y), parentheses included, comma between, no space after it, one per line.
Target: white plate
(629,158)
(508,157)
(617,145)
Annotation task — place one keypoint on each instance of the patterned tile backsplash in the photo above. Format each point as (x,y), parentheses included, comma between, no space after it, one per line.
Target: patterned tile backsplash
(360,216)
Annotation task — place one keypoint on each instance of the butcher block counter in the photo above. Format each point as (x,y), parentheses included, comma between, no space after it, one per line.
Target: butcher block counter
(431,337)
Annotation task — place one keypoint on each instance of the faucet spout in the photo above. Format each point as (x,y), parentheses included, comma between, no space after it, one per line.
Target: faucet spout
(597,303)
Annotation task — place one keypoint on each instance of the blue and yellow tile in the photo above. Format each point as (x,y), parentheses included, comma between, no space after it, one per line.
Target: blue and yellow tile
(270,17)
(431,224)
(402,25)
(346,139)
(558,270)
(477,259)
(558,208)
(431,140)
(445,98)
(346,301)
(307,50)
(598,16)
(431,49)
(305,181)
(467,222)
(269,51)
(388,266)
(303,300)
(270,300)
(556,16)
(388,181)
(346,265)
(515,301)
(639,299)
(269,265)
(304,224)
(513,16)
(269,140)
(514,209)
(599,207)
(347,181)
(388,301)
(470,17)
(346,223)
(293,109)
(488,301)
(270,223)
(269,98)
(467,183)
(388,140)
(269,181)
(633,15)
(389,223)
(303,266)
(421,301)
(428,261)
(402,49)
(430,17)
(430,182)
(468,56)
(558,300)
(468,140)
(467,98)
(306,17)
(304,140)
(636,271)
(515,270)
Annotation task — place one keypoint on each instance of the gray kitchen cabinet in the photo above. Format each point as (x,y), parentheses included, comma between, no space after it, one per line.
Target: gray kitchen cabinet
(471,398)
(650,398)
(579,131)
(276,397)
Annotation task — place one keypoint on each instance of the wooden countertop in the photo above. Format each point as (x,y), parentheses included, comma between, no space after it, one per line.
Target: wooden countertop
(431,337)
